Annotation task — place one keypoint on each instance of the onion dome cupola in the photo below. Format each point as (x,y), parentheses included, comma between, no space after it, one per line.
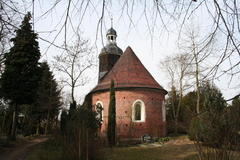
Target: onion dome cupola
(109,54)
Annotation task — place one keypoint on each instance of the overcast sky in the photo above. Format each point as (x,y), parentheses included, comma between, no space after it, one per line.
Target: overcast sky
(135,31)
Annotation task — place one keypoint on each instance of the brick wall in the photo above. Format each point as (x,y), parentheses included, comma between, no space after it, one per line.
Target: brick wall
(126,128)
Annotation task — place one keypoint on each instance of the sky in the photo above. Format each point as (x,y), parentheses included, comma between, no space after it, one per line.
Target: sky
(134,30)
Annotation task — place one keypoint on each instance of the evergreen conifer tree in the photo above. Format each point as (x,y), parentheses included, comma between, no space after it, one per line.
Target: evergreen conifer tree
(111,132)
(63,121)
(48,101)
(72,109)
(213,99)
(19,81)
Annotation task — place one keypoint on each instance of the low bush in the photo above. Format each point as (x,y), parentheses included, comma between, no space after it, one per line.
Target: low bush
(163,140)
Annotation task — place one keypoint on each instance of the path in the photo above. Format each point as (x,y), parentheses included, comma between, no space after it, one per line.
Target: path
(19,152)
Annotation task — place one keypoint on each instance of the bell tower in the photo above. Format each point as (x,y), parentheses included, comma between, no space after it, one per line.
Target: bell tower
(109,54)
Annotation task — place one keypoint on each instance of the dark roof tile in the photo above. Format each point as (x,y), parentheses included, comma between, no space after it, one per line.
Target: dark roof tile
(128,72)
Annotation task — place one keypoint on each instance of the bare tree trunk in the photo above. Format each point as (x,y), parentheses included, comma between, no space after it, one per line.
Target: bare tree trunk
(179,102)
(3,123)
(79,143)
(48,112)
(37,129)
(196,75)
(87,146)
(198,89)
(72,94)
(176,125)
(174,117)
(72,78)
(13,128)
(47,124)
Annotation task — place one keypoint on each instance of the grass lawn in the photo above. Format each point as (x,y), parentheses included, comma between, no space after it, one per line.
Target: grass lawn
(176,149)
(166,152)
(179,148)
(48,150)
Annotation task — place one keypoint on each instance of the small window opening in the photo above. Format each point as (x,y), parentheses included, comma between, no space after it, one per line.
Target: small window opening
(137,111)
(99,110)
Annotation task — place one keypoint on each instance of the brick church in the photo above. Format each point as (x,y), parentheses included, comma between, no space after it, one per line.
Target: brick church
(140,99)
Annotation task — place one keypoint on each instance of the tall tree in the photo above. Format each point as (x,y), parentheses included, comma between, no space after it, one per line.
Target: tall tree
(111,131)
(20,78)
(213,98)
(199,52)
(173,110)
(215,131)
(48,98)
(236,104)
(177,68)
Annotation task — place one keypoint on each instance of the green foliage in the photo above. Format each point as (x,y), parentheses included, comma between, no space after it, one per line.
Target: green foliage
(111,130)
(80,131)
(72,109)
(215,128)
(188,110)
(63,121)
(43,113)
(210,122)
(19,81)
(21,74)
(172,103)
(163,140)
(213,99)
(235,111)
(173,113)
(233,117)
(4,114)
(236,103)
(80,136)
(189,102)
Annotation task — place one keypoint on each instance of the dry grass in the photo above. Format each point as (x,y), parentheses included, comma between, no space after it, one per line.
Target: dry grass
(177,149)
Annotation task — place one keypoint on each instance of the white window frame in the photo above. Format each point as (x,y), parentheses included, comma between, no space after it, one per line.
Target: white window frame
(143,112)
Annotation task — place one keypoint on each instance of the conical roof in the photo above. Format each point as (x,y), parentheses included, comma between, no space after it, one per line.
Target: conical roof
(128,72)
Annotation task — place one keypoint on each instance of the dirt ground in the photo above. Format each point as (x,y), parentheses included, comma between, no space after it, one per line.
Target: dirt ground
(20,151)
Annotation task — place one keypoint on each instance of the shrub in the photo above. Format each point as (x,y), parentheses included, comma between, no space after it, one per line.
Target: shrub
(79,131)
(215,129)
(163,140)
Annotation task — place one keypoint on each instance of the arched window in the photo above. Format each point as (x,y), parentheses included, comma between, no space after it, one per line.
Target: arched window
(137,108)
(99,110)
(138,111)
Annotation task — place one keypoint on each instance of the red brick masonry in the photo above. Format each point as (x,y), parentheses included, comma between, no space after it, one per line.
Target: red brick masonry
(126,128)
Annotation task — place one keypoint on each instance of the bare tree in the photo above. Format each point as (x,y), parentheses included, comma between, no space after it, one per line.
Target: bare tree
(74,63)
(9,16)
(177,69)
(222,17)
(199,51)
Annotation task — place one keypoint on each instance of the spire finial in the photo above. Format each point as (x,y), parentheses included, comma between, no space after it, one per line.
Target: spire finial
(111,22)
